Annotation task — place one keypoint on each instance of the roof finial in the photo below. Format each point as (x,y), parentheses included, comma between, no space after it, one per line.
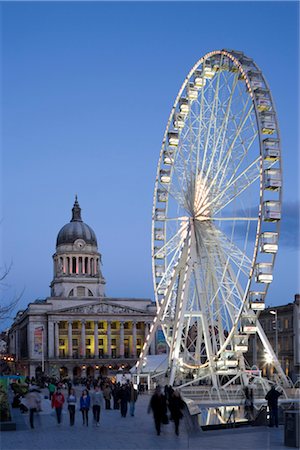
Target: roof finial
(76,211)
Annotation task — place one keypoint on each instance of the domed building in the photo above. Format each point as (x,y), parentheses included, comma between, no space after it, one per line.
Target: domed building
(78,331)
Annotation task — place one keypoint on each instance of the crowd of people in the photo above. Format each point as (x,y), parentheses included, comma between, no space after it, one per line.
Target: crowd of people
(104,394)
(95,396)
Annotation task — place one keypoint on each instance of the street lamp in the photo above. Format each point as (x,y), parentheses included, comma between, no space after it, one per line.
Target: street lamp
(274,313)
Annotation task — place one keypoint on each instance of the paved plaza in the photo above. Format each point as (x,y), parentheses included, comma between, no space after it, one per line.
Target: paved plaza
(129,433)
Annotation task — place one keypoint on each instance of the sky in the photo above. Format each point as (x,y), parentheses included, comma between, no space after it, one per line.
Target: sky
(87,89)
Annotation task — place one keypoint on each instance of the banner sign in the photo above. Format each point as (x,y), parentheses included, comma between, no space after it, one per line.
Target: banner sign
(38,341)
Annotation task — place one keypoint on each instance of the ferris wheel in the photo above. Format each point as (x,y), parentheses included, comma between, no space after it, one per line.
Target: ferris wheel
(216,216)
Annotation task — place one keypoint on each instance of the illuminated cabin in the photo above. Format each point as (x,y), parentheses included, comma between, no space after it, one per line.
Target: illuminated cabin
(269,242)
(162,195)
(272,179)
(159,253)
(160,213)
(207,70)
(271,210)
(263,99)
(241,343)
(268,125)
(248,324)
(255,79)
(159,234)
(183,105)
(192,92)
(173,138)
(257,301)
(159,271)
(169,156)
(263,272)
(271,149)
(165,176)
(178,120)
(199,79)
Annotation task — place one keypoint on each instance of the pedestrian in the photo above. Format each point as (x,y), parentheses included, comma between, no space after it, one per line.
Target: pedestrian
(249,406)
(33,401)
(107,395)
(124,398)
(97,402)
(159,408)
(272,398)
(51,389)
(85,401)
(115,395)
(176,405)
(71,400)
(133,398)
(57,402)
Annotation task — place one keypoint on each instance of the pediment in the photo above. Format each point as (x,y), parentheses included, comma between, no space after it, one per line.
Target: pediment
(102,308)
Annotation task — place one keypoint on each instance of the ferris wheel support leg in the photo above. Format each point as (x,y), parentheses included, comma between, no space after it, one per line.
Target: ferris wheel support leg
(270,350)
(207,340)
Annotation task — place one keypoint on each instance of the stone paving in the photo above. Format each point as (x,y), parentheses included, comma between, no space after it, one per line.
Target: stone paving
(129,433)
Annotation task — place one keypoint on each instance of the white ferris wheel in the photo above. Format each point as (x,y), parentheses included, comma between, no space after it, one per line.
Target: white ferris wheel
(216,215)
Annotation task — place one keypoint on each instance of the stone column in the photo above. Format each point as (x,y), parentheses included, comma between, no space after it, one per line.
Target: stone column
(133,348)
(70,346)
(153,346)
(122,339)
(109,339)
(56,339)
(83,347)
(50,339)
(96,340)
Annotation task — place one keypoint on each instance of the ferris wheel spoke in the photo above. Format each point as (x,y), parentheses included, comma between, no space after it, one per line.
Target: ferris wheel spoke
(235,187)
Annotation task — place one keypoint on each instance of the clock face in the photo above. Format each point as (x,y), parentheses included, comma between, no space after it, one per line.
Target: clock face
(80,243)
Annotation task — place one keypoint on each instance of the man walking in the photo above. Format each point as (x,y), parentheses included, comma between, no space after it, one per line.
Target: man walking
(272,398)
(97,402)
(58,401)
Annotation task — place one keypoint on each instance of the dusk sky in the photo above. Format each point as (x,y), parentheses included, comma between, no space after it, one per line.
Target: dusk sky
(87,89)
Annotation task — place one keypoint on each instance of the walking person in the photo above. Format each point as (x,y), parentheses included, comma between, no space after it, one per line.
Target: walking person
(71,400)
(124,398)
(272,399)
(107,395)
(249,406)
(159,408)
(133,398)
(85,402)
(33,403)
(176,405)
(51,389)
(57,402)
(97,402)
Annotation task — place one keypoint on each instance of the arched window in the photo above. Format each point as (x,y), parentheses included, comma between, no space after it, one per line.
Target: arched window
(71,293)
(90,294)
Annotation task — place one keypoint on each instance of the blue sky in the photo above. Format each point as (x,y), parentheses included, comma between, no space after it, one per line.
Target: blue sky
(87,89)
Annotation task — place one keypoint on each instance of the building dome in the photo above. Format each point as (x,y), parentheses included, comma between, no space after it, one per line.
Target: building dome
(76,229)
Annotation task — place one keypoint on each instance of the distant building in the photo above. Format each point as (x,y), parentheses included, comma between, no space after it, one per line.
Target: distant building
(78,331)
(287,321)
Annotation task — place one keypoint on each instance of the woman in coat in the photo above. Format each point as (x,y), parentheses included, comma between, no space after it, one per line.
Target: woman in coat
(85,402)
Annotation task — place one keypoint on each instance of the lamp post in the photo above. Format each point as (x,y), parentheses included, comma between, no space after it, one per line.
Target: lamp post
(274,313)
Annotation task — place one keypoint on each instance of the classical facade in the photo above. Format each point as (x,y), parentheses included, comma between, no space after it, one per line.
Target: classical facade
(78,331)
